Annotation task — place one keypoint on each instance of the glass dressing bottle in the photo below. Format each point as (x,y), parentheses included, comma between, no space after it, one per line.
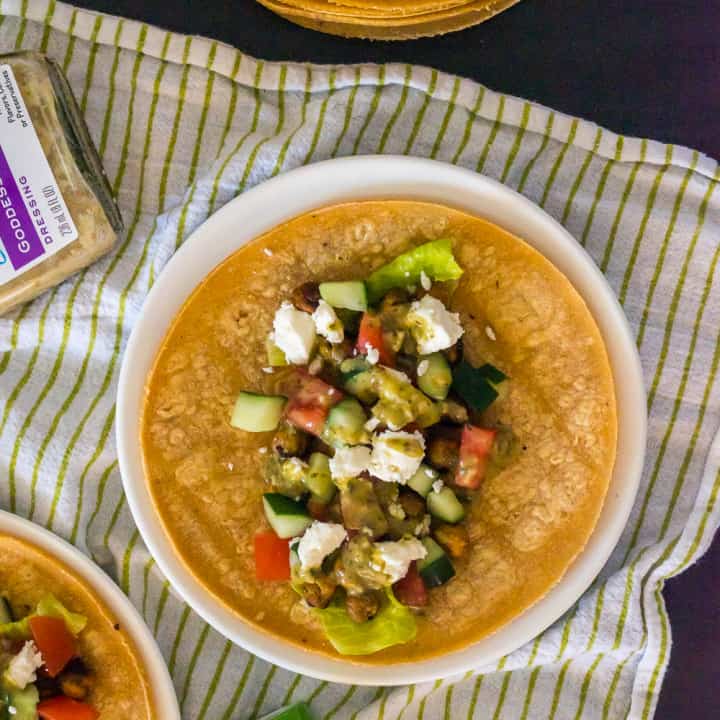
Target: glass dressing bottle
(57,213)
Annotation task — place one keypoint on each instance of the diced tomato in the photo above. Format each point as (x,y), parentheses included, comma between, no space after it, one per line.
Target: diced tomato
(475,446)
(272,557)
(371,335)
(411,589)
(308,407)
(54,641)
(61,707)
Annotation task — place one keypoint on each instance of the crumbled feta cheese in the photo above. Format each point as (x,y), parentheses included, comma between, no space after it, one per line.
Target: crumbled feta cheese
(327,323)
(349,462)
(396,510)
(319,540)
(394,558)
(425,281)
(423,527)
(422,367)
(432,325)
(21,670)
(490,332)
(437,486)
(372,423)
(294,333)
(372,354)
(268,252)
(396,456)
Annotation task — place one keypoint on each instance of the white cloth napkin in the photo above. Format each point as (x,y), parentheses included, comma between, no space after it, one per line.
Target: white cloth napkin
(185,124)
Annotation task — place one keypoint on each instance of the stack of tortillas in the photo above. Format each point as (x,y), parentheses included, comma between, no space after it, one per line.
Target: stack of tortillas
(387,19)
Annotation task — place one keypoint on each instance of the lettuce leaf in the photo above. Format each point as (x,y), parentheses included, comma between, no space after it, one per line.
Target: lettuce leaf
(49,606)
(434,258)
(393,625)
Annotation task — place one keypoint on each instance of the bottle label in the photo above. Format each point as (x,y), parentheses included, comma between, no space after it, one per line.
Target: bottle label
(34,220)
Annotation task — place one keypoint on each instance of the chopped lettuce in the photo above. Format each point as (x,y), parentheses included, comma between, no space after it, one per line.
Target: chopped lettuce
(49,606)
(393,625)
(434,258)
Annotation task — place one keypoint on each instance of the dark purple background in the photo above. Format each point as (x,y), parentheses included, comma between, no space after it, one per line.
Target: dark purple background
(8,234)
(640,67)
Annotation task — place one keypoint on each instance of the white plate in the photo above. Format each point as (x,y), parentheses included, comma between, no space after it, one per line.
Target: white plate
(363,178)
(162,691)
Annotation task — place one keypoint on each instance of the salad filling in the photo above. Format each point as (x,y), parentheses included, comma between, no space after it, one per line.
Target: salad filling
(381,442)
(42,674)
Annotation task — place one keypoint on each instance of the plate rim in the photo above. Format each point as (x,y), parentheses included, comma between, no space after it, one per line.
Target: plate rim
(382,177)
(100,584)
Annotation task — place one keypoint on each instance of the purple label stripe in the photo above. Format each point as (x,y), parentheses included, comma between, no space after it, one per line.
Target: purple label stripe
(17,231)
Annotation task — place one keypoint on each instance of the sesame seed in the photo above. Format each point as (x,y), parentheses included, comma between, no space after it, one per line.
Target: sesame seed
(490,332)
(268,370)
(425,281)
(268,252)
(422,367)
(262,450)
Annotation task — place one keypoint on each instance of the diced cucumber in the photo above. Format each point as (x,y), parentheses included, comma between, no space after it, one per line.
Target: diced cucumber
(350,295)
(288,518)
(421,482)
(478,387)
(353,366)
(362,386)
(6,615)
(24,703)
(299,711)
(492,373)
(437,378)
(275,356)
(346,424)
(319,480)
(445,506)
(257,413)
(436,568)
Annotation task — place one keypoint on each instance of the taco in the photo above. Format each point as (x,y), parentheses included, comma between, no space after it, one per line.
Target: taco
(62,654)
(381,430)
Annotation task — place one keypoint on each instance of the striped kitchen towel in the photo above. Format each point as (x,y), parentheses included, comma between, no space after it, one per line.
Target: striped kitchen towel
(185,124)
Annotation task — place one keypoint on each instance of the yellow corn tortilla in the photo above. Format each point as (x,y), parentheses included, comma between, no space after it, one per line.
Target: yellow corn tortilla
(527,524)
(474,10)
(403,32)
(352,12)
(120,688)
